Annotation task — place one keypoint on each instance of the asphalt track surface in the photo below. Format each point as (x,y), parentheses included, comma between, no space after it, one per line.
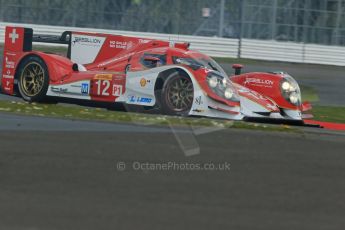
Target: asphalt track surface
(62,174)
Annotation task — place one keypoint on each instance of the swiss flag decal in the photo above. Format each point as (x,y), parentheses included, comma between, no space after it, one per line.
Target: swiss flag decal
(13,35)
(14,39)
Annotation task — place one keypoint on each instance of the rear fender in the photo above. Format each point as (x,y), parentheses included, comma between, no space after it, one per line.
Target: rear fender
(59,67)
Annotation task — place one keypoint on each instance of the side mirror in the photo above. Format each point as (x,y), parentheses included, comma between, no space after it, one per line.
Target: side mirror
(237,68)
(75,67)
(78,67)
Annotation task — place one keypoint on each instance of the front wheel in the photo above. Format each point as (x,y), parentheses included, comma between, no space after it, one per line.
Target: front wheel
(33,79)
(177,95)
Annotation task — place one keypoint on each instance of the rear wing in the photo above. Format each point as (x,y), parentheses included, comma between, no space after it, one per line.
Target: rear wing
(63,39)
(18,39)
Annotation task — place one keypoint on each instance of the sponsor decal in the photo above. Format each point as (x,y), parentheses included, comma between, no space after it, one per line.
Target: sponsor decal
(7,85)
(11,54)
(130,45)
(198,101)
(131,98)
(86,40)
(85,48)
(13,36)
(117,90)
(198,110)
(85,88)
(8,76)
(258,81)
(143,82)
(103,77)
(59,90)
(121,45)
(9,64)
(144,100)
(143,41)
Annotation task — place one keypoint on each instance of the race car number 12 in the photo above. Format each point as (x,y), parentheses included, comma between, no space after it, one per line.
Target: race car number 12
(103,87)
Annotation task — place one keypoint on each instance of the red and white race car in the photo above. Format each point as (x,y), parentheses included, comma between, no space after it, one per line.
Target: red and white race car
(144,73)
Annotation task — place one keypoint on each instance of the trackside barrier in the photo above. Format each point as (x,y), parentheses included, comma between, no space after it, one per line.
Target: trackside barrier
(221,47)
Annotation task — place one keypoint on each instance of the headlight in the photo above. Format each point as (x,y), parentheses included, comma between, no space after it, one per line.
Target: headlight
(293,98)
(224,82)
(229,93)
(290,90)
(221,86)
(286,86)
(213,81)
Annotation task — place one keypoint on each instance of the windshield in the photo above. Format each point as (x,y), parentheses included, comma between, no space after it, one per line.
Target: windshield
(197,63)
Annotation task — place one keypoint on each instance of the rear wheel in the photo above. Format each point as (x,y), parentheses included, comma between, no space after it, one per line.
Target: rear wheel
(177,95)
(33,79)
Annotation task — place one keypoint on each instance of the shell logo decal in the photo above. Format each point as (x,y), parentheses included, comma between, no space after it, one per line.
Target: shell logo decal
(143,82)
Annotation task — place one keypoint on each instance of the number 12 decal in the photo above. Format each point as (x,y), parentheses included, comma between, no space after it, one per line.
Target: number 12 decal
(103,87)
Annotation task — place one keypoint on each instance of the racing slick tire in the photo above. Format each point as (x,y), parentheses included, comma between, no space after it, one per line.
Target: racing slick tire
(177,95)
(33,79)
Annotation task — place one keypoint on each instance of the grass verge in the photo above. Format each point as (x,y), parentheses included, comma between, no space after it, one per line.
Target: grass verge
(97,114)
(309,94)
(329,113)
(322,113)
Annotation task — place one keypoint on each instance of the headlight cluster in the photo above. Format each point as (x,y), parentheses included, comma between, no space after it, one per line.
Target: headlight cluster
(222,86)
(290,90)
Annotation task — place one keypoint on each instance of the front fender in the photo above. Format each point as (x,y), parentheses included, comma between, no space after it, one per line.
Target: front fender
(140,90)
(266,84)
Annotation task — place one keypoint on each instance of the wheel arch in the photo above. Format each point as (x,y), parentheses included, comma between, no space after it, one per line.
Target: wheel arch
(162,77)
(25,61)
(161,81)
(18,66)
